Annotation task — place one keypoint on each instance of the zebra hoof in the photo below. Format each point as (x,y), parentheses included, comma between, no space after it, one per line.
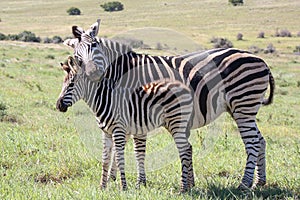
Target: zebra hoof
(259,184)
(243,187)
(139,183)
(113,178)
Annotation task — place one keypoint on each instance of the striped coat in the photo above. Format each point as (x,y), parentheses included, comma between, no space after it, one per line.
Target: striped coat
(124,111)
(222,80)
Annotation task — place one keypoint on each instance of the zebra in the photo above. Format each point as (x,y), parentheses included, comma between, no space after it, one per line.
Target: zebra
(223,80)
(135,111)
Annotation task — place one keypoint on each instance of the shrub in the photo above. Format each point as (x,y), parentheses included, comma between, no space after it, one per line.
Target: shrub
(2,36)
(73,11)
(283,33)
(112,6)
(270,49)
(52,57)
(239,36)
(298,34)
(297,50)
(13,37)
(236,2)
(56,39)
(254,49)
(261,34)
(47,40)
(3,110)
(27,36)
(221,43)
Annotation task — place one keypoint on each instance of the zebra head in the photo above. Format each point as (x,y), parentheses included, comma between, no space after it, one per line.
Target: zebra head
(88,52)
(72,89)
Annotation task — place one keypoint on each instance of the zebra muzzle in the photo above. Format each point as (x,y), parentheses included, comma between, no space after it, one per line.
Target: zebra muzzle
(61,106)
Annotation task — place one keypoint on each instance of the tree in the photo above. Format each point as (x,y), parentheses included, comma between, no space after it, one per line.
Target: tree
(112,6)
(73,11)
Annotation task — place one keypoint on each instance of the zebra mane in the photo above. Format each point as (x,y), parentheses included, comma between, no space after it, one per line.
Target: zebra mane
(114,45)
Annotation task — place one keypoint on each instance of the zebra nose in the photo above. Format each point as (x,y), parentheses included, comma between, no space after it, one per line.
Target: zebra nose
(61,106)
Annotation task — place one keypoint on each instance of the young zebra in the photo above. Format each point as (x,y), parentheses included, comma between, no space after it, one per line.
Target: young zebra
(121,111)
(223,80)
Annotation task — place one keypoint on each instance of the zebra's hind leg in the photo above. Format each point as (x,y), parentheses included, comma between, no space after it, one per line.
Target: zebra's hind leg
(113,167)
(191,179)
(185,154)
(261,162)
(140,152)
(249,133)
(106,155)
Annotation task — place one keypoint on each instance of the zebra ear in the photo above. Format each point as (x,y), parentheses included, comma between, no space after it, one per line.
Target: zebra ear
(74,67)
(94,29)
(65,67)
(71,42)
(77,32)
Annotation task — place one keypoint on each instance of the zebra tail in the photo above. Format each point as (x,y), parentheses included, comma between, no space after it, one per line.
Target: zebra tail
(269,100)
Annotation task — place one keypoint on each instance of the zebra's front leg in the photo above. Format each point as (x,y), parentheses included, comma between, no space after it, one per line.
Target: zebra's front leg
(248,131)
(140,152)
(106,155)
(119,146)
(261,163)
(185,154)
(113,167)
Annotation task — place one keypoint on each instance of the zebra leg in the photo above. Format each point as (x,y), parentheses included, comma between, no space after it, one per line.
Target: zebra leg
(191,179)
(106,155)
(261,162)
(248,130)
(119,146)
(185,154)
(113,167)
(140,152)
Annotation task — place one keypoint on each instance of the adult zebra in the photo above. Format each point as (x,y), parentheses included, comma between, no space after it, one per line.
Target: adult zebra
(222,80)
(123,111)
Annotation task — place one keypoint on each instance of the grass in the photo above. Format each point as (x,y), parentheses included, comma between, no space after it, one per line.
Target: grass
(49,155)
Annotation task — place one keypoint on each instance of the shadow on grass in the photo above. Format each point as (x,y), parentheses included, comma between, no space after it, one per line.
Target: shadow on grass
(266,192)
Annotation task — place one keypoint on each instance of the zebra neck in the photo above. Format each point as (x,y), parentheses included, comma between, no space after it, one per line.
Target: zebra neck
(99,96)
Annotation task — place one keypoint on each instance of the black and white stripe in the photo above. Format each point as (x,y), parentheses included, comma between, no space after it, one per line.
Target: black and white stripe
(125,111)
(222,80)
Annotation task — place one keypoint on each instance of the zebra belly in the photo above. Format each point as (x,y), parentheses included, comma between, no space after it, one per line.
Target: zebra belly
(145,124)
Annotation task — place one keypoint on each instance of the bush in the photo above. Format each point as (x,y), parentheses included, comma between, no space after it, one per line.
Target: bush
(3,110)
(112,6)
(47,40)
(13,37)
(270,49)
(298,34)
(56,39)
(27,36)
(236,2)
(73,11)
(221,43)
(239,36)
(254,49)
(2,36)
(283,33)
(261,34)
(297,50)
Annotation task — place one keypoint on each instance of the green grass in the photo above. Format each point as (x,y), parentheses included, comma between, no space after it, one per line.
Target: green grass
(46,154)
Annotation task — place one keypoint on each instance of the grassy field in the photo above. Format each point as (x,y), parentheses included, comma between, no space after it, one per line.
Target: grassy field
(48,155)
